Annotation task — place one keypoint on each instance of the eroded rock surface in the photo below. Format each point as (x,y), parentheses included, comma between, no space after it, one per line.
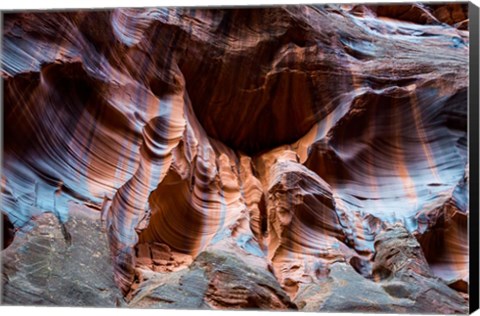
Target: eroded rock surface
(51,264)
(401,282)
(216,280)
(240,158)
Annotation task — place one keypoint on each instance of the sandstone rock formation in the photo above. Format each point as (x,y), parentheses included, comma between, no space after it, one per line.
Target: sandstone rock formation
(264,158)
(45,267)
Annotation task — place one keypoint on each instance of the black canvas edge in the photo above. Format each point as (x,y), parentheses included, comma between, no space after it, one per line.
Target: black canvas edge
(473,15)
(1,151)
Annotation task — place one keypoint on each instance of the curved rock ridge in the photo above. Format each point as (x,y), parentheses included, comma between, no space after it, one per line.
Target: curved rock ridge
(260,153)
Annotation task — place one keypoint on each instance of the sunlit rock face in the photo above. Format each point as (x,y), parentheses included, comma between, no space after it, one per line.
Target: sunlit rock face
(248,158)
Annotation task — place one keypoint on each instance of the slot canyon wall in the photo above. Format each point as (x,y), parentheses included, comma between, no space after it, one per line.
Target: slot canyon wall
(293,157)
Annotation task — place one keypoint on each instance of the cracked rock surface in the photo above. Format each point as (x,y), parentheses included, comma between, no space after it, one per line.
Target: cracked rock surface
(44,267)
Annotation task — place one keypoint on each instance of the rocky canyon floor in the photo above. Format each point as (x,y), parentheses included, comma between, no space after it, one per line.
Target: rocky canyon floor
(308,157)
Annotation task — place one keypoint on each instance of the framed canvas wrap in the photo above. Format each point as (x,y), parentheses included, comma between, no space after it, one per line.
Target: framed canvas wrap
(311,158)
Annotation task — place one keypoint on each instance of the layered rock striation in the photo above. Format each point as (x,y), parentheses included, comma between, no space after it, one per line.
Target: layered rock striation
(245,158)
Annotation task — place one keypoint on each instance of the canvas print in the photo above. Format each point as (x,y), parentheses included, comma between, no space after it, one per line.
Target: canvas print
(290,157)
